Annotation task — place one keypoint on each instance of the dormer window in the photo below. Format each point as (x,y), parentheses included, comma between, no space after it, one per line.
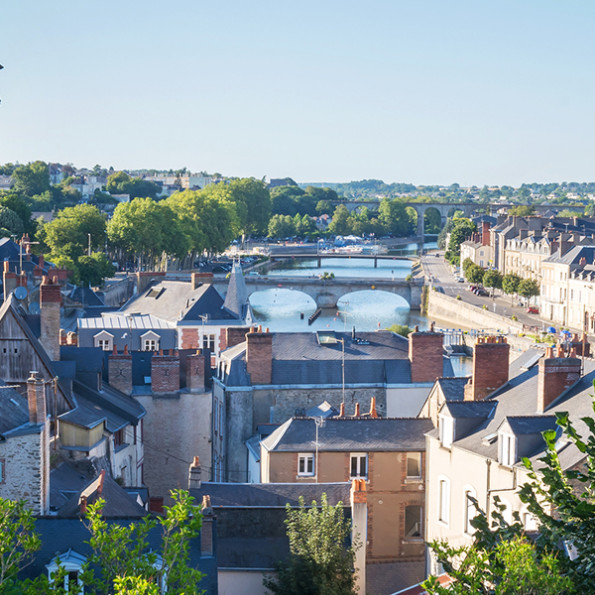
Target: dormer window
(71,563)
(150,341)
(507,449)
(104,341)
(447,429)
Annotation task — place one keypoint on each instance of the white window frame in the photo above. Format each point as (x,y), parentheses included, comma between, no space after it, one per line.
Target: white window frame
(104,340)
(150,341)
(507,449)
(209,341)
(443,499)
(469,510)
(305,460)
(70,561)
(419,460)
(359,456)
(447,430)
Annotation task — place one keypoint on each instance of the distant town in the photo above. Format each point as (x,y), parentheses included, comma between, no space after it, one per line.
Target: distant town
(160,432)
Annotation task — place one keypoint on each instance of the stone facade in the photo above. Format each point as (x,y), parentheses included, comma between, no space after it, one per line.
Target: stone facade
(176,429)
(26,469)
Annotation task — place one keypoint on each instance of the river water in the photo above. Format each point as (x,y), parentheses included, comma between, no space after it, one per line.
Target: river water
(283,310)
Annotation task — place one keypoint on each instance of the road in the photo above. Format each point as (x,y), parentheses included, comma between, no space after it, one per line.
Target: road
(439,272)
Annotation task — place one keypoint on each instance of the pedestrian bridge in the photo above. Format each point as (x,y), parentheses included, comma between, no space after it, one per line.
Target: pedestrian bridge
(327,292)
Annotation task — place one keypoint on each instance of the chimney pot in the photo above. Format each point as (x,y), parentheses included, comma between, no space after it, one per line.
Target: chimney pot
(356,414)
(342,410)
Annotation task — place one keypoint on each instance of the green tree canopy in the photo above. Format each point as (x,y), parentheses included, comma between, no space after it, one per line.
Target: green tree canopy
(31,179)
(492,279)
(253,204)
(528,288)
(474,274)
(68,233)
(339,223)
(521,211)
(10,222)
(461,230)
(321,562)
(510,283)
(92,270)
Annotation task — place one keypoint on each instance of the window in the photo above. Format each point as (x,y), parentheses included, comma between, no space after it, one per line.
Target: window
(529,521)
(413,465)
(470,510)
(72,564)
(150,345)
(305,464)
(507,449)
(208,342)
(118,438)
(413,522)
(443,499)
(359,465)
(446,430)
(104,341)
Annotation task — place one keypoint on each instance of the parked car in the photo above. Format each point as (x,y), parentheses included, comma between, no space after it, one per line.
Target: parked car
(460,280)
(532,310)
(481,292)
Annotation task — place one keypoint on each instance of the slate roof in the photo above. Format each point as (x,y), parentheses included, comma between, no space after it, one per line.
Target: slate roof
(470,409)
(177,301)
(118,502)
(346,434)
(85,296)
(110,405)
(236,299)
(379,358)
(453,388)
(517,401)
(531,424)
(270,495)
(573,255)
(14,409)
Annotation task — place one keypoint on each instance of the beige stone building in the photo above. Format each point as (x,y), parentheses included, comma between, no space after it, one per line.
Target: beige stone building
(389,455)
(481,436)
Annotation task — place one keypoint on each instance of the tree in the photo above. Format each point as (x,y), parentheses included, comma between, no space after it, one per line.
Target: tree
(339,223)
(320,562)
(324,207)
(528,288)
(94,269)
(281,226)
(253,204)
(393,214)
(16,202)
(461,230)
(10,222)
(68,233)
(521,211)
(120,551)
(31,179)
(492,279)
(18,541)
(510,284)
(475,274)
(466,264)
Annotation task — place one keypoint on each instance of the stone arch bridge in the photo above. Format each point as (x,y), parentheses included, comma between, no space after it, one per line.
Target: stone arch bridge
(326,293)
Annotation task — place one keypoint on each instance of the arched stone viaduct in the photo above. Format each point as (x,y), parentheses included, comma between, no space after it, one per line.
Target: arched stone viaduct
(326,293)
(445,209)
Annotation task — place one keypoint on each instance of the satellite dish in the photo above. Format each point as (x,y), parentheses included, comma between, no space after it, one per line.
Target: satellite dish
(20,293)
(34,308)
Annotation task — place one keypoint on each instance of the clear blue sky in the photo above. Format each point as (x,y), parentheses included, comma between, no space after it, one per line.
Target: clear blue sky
(429,92)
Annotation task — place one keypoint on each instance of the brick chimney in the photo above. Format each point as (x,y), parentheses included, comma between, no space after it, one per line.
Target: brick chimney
(143,278)
(9,279)
(259,357)
(50,299)
(194,474)
(207,531)
(165,372)
(196,368)
(120,370)
(490,367)
(199,278)
(36,398)
(425,355)
(234,335)
(485,233)
(556,374)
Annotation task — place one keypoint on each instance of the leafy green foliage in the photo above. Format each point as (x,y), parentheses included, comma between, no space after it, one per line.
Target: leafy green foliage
(31,179)
(400,329)
(501,561)
(92,270)
(521,211)
(461,230)
(510,283)
(528,288)
(121,551)
(320,561)
(492,279)
(121,183)
(563,500)
(474,274)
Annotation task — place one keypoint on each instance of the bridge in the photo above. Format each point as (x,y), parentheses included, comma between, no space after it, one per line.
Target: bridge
(326,292)
(318,256)
(444,208)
